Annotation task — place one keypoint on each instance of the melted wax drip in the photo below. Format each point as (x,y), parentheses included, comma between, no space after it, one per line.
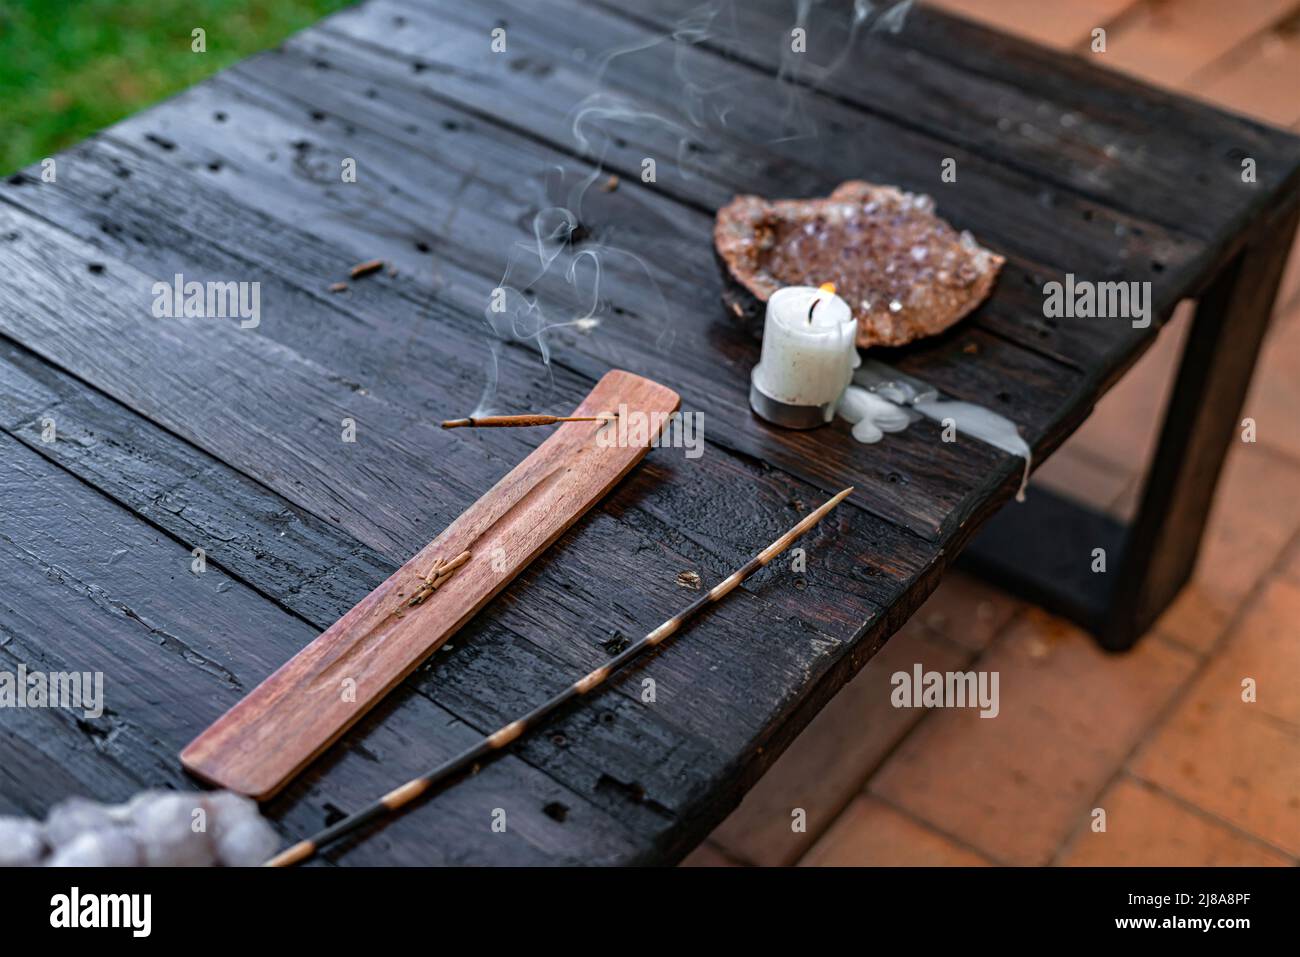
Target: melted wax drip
(873,413)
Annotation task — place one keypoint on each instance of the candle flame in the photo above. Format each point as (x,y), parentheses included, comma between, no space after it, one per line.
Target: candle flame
(827,287)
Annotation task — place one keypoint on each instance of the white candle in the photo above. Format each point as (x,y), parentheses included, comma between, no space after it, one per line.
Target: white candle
(808,356)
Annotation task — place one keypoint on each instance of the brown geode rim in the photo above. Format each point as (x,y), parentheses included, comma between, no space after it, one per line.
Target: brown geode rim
(905,272)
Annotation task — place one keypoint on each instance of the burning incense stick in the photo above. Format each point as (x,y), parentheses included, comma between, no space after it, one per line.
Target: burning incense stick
(517,421)
(408,792)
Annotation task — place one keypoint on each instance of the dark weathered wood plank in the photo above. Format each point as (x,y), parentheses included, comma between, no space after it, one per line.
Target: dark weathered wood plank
(302,562)
(329,348)
(917,472)
(1061,119)
(91,588)
(469,446)
(411,478)
(47,754)
(247,528)
(387,338)
(314,569)
(930,479)
(236,394)
(1018,215)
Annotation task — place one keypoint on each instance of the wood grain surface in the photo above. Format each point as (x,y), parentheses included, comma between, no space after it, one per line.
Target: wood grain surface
(292,716)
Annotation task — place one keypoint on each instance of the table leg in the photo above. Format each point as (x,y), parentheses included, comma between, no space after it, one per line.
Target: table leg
(1043,550)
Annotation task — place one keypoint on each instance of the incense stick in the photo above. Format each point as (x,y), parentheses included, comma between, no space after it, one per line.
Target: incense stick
(408,792)
(517,421)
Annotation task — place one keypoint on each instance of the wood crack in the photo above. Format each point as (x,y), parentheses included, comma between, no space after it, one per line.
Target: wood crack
(161,637)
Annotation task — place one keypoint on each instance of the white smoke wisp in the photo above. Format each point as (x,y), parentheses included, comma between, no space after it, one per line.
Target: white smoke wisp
(803,72)
(893,19)
(595,123)
(778,105)
(553,281)
(515,311)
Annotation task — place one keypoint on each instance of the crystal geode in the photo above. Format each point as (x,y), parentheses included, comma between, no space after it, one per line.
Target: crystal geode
(904,272)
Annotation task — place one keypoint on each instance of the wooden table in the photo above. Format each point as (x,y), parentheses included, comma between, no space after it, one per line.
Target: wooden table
(170,435)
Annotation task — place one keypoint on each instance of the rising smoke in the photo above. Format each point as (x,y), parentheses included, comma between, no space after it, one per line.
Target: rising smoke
(552,279)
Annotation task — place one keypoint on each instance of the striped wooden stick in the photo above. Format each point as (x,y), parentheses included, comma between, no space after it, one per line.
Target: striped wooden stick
(408,792)
(517,421)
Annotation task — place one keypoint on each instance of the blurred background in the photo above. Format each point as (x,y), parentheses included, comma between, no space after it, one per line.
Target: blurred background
(70,67)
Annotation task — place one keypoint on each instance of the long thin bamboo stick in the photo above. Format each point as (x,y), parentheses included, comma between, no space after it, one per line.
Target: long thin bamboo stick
(408,792)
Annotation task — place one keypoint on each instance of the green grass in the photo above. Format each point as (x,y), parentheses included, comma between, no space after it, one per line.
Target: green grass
(70,67)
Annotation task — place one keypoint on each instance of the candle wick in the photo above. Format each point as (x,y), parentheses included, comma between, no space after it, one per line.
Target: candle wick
(811,308)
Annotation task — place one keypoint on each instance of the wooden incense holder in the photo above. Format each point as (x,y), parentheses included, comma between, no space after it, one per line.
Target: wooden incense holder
(257,746)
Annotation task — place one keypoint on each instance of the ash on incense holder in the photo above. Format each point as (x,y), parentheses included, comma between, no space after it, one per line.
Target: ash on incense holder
(808,357)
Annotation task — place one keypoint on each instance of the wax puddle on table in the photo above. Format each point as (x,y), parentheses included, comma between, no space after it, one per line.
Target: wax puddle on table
(882,399)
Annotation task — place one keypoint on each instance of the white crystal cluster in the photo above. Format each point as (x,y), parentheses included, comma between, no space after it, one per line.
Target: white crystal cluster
(153,829)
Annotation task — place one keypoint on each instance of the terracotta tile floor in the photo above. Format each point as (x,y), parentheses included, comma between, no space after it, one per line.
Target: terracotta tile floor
(1141,759)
